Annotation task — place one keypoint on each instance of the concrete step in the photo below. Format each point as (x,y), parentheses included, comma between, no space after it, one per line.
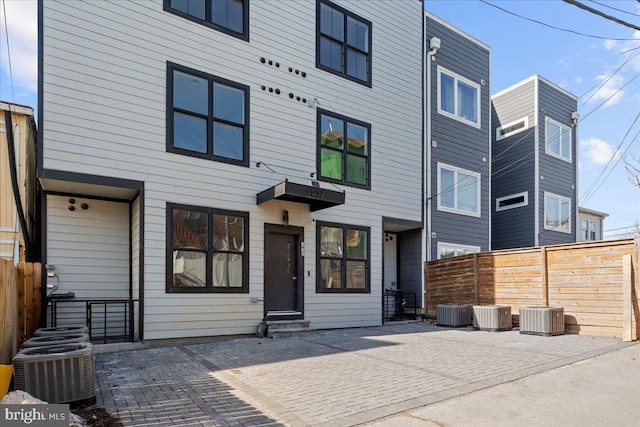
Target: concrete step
(284,328)
(287,324)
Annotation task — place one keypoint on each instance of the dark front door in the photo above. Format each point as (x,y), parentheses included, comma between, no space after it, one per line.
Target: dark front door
(283,278)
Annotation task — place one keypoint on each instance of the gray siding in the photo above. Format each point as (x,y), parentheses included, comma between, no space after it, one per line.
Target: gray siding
(410,268)
(556,175)
(513,168)
(459,144)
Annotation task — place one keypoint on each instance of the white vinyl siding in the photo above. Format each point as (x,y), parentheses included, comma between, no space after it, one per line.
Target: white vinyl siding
(458,97)
(104,113)
(557,213)
(557,140)
(458,190)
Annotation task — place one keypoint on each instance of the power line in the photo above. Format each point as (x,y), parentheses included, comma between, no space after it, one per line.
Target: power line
(595,186)
(609,98)
(555,28)
(609,77)
(614,8)
(602,14)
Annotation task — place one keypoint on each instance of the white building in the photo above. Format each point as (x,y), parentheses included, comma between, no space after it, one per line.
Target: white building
(222,165)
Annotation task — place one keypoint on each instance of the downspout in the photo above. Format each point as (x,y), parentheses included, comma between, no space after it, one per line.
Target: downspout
(536,150)
(434,45)
(14,184)
(575,118)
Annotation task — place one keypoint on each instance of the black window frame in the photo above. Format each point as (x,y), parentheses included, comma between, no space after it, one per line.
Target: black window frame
(347,14)
(209,288)
(244,35)
(344,259)
(345,120)
(211,79)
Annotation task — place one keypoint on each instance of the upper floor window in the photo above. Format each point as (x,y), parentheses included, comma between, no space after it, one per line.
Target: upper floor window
(207,250)
(342,258)
(458,98)
(588,229)
(512,128)
(229,16)
(557,213)
(458,190)
(343,42)
(557,140)
(207,116)
(513,201)
(343,150)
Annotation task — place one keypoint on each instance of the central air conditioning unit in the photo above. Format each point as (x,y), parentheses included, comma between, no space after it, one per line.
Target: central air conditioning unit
(454,315)
(546,321)
(61,330)
(57,374)
(492,317)
(49,340)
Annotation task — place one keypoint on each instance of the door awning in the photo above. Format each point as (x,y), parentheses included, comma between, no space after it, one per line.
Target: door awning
(316,197)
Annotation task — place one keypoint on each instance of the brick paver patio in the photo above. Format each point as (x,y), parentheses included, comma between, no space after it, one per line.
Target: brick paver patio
(331,378)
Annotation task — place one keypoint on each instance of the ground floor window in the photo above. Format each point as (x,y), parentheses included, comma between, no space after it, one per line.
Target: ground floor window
(206,250)
(448,250)
(342,258)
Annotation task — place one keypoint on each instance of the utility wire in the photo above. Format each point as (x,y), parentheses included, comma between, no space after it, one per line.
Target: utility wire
(594,185)
(612,95)
(609,77)
(555,28)
(602,14)
(614,8)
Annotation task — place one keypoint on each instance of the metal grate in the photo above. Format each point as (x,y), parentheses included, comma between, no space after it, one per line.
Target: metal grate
(454,315)
(544,321)
(492,317)
(399,305)
(57,374)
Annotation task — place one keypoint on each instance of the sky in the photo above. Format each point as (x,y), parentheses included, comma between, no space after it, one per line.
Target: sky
(602,67)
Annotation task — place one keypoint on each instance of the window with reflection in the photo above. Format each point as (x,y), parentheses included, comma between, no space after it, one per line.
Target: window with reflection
(208,116)
(343,150)
(229,16)
(206,250)
(343,43)
(343,258)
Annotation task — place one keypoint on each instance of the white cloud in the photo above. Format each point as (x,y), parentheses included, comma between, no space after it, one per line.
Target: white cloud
(598,151)
(610,44)
(22,23)
(577,79)
(611,89)
(564,63)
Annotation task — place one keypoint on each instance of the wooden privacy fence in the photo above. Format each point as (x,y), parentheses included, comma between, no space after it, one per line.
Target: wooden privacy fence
(597,283)
(20,305)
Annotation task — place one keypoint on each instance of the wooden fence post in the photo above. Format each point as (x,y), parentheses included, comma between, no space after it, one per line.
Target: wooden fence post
(426,288)
(8,303)
(476,275)
(635,292)
(544,279)
(627,308)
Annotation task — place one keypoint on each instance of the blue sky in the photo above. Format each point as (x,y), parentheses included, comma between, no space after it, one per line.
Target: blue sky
(519,49)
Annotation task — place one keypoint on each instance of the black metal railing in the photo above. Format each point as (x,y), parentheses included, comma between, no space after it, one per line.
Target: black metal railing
(399,305)
(109,320)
